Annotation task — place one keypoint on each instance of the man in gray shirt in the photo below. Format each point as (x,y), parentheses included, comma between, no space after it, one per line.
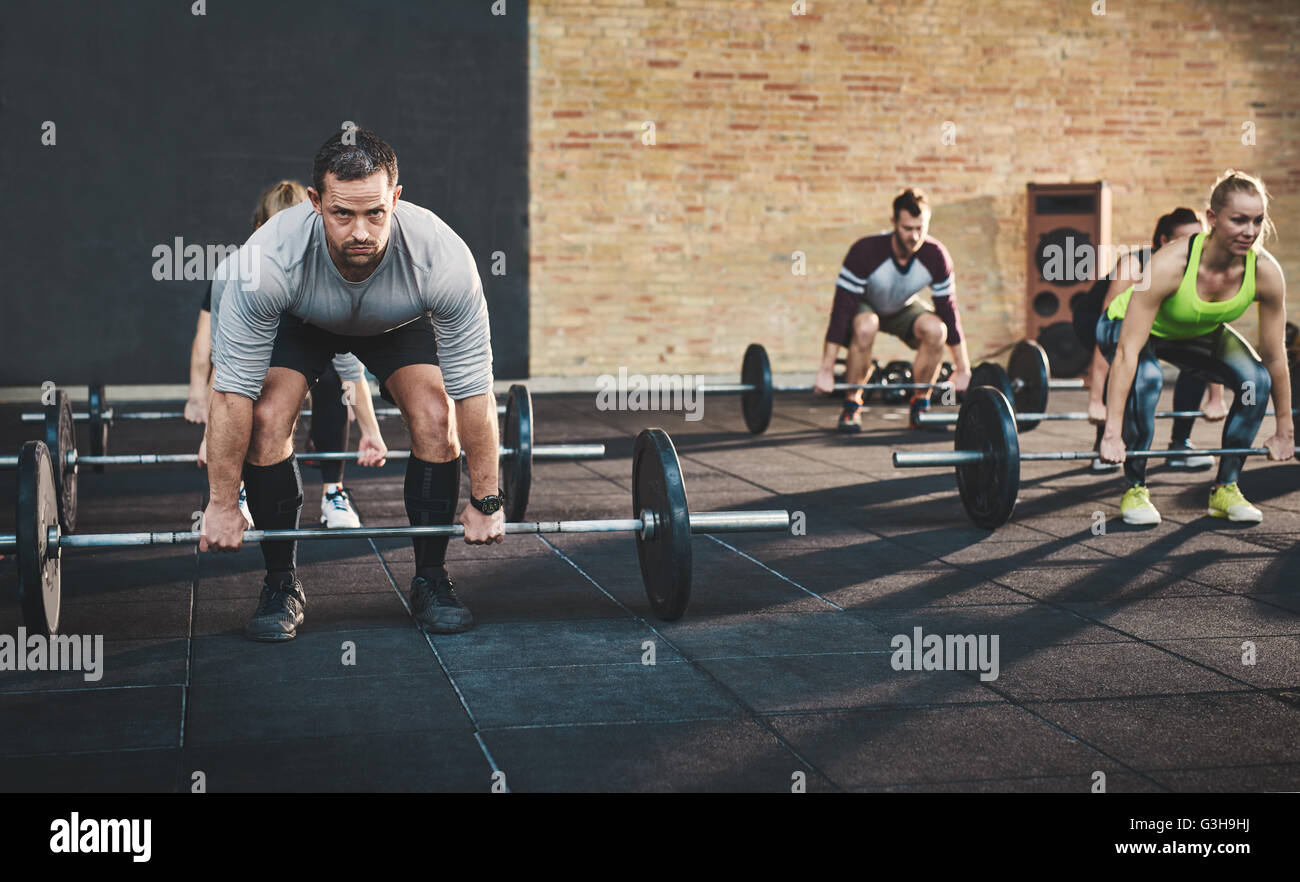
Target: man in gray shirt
(356,270)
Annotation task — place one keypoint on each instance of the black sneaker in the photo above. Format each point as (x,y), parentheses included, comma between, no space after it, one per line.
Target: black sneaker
(437,608)
(279,612)
(850,419)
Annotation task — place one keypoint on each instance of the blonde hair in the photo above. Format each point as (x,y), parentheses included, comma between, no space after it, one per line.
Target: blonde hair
(1233,181)
(277,198)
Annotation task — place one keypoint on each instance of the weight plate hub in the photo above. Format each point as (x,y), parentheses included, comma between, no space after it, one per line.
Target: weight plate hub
(989,488)
(39,584)
(665,557)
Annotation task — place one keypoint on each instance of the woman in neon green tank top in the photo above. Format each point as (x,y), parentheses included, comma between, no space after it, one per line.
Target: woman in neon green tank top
(1196,287)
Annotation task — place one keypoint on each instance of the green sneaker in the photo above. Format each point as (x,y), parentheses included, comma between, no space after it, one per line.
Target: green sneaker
(1226,501)
(1136,507)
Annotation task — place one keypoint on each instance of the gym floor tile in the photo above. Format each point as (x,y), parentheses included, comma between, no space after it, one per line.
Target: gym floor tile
(1023,625)
(524,589)
(722,582)
(1180,732)
(773,633)
(350,703)
(550,644)
(375,652)
(1116,782)
(1102,671)
(379,762)
(1233,779)
(90,720)
(326,613)
(125,620)
(1276,659)
(901,746)
(699,756)
(1112,581)
(1175,617)
(832,681)
(160,662)
(596,694)
(115,771)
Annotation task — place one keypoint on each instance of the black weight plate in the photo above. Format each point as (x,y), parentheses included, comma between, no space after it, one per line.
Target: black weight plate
(1028,363)
(992,375)
(896,372)
(989,488)
(756,371)
(945,371)
(39,585)
(665,557)
(99,425)
(61,439)
(517,468)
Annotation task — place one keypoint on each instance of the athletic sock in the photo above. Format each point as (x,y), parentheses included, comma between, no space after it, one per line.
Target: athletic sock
(275,500)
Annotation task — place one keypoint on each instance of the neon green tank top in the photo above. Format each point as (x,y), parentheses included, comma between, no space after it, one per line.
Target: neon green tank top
(1185,315)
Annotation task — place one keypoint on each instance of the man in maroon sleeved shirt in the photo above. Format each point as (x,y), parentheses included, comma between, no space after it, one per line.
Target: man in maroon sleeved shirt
(877,290)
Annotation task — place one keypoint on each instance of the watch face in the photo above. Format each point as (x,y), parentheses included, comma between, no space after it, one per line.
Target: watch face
(489,504)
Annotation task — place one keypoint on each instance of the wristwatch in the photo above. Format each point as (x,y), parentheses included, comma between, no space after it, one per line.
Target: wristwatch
(489,505)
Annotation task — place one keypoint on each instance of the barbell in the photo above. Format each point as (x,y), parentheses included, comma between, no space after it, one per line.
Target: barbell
(517,455)
(102,416)
(987,457)
(1026,379)
(662,523)
(1033,419)
(1025,389)
(756,388)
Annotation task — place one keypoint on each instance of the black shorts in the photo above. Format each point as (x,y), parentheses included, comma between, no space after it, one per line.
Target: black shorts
(308,349)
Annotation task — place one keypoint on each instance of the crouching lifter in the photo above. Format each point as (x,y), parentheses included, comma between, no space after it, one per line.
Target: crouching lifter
(355,270)
(1198,285)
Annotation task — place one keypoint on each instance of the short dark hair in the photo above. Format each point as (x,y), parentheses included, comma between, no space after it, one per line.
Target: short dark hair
(912,201)
(1173,220)
(353,161)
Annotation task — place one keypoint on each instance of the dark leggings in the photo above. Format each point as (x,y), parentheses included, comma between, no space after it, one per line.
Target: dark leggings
(1188,392)
(1222,356)
(329,422)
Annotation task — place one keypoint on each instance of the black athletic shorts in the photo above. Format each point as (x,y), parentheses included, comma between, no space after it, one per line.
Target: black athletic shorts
(308,349)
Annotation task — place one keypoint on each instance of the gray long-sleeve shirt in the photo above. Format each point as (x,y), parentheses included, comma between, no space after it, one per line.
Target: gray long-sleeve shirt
(285,267)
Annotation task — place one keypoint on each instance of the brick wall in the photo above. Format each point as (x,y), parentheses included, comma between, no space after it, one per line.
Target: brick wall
(776,133)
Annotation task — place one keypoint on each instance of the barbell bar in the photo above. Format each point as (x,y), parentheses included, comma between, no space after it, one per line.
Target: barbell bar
(950,419)
(542,451)
(102,417)
(112,416)
(662,525)
(987,457)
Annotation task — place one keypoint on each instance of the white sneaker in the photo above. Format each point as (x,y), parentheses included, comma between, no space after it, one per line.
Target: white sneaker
(336,511)
(243,505)
(1197,461)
